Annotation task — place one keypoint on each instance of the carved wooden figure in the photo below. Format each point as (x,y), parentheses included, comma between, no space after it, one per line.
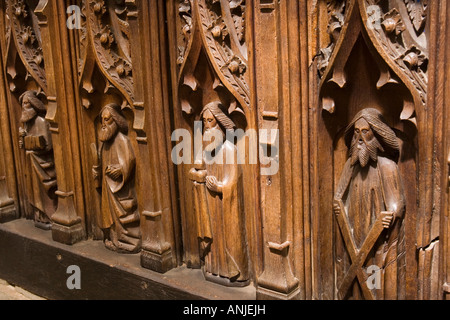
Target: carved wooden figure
(333,200)
(119,217)
(370,197)
(210,69)
(220,224)
(35,138)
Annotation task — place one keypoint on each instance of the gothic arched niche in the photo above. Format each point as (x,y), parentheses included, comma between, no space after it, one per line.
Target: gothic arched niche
(213,75)
(29,111)
(203,86)
(358,74)
(101,93)
(108,102)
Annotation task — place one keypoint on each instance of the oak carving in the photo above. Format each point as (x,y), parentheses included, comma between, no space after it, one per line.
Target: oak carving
(217,198)
(369,205)
(353,93)
(35,138)
(119,218)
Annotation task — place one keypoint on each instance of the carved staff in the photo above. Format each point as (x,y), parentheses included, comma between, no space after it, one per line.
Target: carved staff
(97,165)
(358,256)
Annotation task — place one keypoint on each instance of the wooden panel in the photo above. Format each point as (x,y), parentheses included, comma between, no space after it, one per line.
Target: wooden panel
(337,107)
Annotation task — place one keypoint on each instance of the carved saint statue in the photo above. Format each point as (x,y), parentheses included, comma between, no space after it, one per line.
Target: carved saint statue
(115,169)
(369,205)
(36,139)
(220,227)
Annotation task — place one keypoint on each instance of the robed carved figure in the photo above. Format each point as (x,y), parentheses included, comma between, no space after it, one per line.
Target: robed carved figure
(220,227)
(369,205)
(36,139)
(115,171)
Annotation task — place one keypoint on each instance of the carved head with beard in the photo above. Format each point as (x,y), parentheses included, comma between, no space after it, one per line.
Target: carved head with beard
(368,135)
(215,123)
(31,106)
(112,122)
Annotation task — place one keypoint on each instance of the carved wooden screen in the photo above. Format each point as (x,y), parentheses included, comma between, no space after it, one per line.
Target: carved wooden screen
(333,110)
(381,55)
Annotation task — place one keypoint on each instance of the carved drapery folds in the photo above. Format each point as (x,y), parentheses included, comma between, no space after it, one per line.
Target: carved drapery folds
(338,120)
(369,205)
(115,172)
(36,140)
(25,71)
(211,68)
(114,70)
(379,59)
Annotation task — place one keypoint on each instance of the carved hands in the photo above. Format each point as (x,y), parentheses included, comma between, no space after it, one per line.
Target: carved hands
(337,206)
(96,172)
(388,217)
(200,176)
(213,184)
(22,135)
(114,172)
(197,175)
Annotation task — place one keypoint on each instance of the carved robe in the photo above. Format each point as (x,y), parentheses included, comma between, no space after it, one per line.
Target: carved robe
(220,227)
(366,192)
(41,183)
(119,212)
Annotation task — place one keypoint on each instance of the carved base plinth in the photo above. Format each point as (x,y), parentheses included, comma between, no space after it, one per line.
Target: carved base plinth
(8,212)
(105,275)
(267,294)
(157,262)
(277,282)
(67,235)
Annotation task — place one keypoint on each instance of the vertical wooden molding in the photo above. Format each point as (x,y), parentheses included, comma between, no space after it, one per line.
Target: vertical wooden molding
(8,196)
(277,280)
(159,244)
(211,55)
(67,224)
(440,288)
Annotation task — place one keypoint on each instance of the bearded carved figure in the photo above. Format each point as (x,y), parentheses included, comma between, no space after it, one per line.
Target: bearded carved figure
(115,171)
(35,138)
(369,205)
(220,227)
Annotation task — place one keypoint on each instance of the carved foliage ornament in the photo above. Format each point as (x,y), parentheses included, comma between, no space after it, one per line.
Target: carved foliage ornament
(417,12)
(400,46)
(335,13)
(108,29)
(27,41)
(218,28)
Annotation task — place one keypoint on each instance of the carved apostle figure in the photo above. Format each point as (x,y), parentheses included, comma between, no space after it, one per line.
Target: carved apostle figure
(370,190)
(220,227)
(35,138)
(115,168)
